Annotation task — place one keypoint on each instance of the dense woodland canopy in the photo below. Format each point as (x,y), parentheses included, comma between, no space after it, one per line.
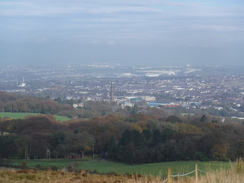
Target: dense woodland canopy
(10,102)
(133,139)
(132,135)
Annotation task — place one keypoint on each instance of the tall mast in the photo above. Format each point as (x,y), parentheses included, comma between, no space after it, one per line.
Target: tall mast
(112,92)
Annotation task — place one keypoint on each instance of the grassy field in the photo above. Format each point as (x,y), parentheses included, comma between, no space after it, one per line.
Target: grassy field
(217,172)
(103,166)
(22,115)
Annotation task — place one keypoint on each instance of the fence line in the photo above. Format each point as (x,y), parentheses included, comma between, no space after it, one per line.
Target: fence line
(201,171)
(169,178)
(182,175)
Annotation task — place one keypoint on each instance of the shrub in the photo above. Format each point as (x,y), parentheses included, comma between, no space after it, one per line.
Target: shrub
(24,164)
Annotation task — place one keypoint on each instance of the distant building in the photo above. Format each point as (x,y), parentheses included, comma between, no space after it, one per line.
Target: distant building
(148,98)
(165,105)
(126,103)
(78,105)
(23,84)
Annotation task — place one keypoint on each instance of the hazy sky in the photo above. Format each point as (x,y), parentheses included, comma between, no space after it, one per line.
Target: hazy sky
(127,31)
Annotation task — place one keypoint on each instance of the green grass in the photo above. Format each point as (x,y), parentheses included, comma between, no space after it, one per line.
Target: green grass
(61,118)
(22,115)
(153,168)
(103,166)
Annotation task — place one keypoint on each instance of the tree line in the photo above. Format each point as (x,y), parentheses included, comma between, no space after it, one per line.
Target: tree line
(13,103)
(133,139)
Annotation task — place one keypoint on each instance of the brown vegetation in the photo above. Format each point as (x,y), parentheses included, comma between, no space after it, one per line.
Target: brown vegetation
(234,175)
(28,176)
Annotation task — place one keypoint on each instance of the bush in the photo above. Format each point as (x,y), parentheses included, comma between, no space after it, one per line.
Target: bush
(24,164)
(72,168)
(8,162)
(1,161)
(39,166)
(201,156)
(239,166)
(53,168)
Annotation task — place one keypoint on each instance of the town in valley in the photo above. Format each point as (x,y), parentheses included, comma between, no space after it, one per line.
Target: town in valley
(219,89)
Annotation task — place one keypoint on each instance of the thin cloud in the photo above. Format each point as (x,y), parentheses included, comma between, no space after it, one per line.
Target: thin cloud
(130,22)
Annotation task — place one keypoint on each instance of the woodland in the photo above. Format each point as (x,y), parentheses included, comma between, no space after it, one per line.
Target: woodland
(133,136)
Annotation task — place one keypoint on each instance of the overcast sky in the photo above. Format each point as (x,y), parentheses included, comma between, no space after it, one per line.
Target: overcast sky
(173,32)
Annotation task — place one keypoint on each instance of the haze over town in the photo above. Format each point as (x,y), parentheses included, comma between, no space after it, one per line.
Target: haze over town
(129,32)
